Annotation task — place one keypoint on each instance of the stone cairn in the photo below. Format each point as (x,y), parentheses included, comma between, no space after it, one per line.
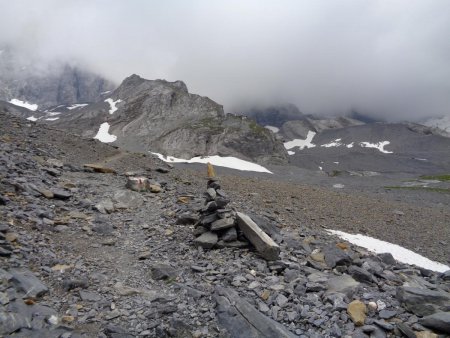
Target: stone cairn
(220,227)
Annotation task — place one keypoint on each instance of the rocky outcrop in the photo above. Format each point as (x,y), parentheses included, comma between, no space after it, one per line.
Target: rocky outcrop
(45,84)
(163,117)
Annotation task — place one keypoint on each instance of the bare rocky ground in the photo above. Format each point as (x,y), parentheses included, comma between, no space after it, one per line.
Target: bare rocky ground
(83,256)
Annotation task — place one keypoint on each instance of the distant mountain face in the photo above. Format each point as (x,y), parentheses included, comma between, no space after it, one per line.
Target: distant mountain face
(163,117)
(37,82)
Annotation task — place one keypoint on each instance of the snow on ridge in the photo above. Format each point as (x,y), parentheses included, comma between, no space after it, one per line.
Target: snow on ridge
(272,129)
(24,104)
(380,146)
(228,162)
(336,143)
(103,134)
(112,104)
(77,105)
(306,143)
(400,253)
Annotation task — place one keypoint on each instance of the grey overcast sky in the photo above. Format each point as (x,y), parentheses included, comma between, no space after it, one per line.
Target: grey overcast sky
(387,58)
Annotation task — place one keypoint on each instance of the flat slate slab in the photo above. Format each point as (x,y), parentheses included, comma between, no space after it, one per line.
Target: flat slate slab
(261,241)
(27,282)
(241,319)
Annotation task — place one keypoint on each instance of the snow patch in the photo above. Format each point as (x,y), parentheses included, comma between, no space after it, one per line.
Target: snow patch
(301,144)
(336,162)
(108,91)
(380,146)
(228,162)
(54,113)
(52,119)
(272,129)
(290,152)
(400,253)
(420,159)
(320,168)
(338,186)
(32,118)
(24,104)
(103,134)
(77,105)
(335,143)
(112,104)
(350,145)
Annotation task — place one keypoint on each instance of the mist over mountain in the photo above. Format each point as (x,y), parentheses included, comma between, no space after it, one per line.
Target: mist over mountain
(47,83)
(386,58)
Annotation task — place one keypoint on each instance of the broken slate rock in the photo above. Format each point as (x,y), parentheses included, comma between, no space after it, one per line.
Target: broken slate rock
(105,206)
(422,302)
(163,271)
(222,224)
(344,284)
(439,322)
(27,282)
(335,256)
(241,319)
(230,235)
(187,218)
(206,240)
(262,242)
(125,199)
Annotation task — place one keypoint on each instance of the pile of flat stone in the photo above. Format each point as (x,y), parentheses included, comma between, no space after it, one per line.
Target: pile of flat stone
(220,226)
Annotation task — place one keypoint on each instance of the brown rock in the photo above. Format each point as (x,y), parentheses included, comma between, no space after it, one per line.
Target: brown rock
(357,311)
(426,334)
(46,193)
(265,295)
(155,188)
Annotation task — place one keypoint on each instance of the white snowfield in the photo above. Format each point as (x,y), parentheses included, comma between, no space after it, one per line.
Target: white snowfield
(112,105)
(32,118)
(76,105)
(380,146)
(272,129)
(301,144)
(400,253)
(103,134)
(228,162)
(24,104)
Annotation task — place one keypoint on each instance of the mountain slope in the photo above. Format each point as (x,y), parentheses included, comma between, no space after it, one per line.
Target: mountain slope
(163,117)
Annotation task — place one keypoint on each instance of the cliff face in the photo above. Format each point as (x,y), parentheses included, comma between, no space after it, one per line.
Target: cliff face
(163,117)
(47,85)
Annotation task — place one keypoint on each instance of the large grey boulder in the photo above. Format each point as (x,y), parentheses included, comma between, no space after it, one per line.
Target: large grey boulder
(439,321)
(422,302)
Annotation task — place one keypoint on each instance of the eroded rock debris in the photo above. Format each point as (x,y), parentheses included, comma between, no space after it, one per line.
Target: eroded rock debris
(83,256)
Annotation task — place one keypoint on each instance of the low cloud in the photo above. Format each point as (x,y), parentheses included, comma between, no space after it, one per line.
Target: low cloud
(389,59)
